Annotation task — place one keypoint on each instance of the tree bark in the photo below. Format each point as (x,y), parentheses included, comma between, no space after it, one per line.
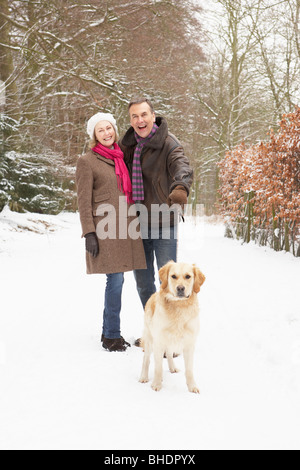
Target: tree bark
(7,67)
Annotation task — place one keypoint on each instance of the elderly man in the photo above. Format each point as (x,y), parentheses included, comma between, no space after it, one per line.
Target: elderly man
(161,175)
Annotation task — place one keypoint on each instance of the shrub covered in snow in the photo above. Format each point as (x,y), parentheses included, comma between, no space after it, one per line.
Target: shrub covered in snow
(32,183)
(7,123)
(260,188)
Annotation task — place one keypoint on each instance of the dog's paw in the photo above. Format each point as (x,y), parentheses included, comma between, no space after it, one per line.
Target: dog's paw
(174,370)
(193,388)
(156,386)
(144,380)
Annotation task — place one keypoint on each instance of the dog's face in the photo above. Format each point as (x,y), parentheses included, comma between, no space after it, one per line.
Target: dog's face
(181,280)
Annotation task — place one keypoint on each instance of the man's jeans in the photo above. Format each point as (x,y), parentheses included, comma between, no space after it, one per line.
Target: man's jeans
(164,251)
(112,308)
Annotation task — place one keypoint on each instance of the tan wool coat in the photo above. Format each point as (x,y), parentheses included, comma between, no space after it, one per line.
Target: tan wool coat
(97,185)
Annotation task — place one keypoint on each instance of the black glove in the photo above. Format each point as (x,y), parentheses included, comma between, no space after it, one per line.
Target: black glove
(92,244)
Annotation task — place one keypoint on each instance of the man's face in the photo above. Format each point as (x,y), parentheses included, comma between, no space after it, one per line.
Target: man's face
(142,119)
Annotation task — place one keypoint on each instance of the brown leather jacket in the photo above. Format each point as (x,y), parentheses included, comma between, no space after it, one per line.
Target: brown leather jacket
(164,164)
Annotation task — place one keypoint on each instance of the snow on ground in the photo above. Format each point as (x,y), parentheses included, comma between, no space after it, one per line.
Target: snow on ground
(60,390)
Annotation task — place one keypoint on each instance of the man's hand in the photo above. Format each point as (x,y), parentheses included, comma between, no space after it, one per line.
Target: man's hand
(178,196)
(92,244)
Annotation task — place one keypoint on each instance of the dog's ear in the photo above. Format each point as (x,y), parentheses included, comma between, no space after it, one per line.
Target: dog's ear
(164,274)
(199,279)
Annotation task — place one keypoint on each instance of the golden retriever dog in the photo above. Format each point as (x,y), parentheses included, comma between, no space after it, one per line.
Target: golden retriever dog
(172,322)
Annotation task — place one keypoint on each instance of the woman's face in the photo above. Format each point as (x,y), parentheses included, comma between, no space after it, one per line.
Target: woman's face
(105,133)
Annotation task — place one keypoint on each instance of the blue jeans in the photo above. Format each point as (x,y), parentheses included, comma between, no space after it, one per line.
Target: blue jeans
(164,251)
(112,307)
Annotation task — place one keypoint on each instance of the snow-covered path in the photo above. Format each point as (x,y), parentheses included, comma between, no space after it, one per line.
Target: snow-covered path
(60,390)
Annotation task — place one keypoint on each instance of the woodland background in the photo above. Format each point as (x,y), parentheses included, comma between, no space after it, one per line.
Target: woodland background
(223,73)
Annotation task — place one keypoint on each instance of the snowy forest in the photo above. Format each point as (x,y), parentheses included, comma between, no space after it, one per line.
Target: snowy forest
(225,74)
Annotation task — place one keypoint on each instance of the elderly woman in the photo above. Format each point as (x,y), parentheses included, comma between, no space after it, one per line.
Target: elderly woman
(103,187)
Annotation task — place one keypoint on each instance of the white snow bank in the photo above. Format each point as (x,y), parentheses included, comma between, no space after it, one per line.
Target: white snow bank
(60,390)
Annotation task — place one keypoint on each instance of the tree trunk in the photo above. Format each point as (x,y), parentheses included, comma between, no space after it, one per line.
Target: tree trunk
(287,237)
(10,107)
(29,91)
(234,85)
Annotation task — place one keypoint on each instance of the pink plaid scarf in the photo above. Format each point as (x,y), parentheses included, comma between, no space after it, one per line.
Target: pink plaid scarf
(116,154)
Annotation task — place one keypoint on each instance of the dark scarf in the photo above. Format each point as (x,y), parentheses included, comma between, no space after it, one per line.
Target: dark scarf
(137,175)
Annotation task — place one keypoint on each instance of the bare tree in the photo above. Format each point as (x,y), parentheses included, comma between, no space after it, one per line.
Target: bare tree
(251,77)
(76,56)
(8,73)
(294,6)
(276,59)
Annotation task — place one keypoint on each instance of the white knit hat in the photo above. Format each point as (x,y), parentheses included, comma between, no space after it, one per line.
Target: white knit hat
(97,118)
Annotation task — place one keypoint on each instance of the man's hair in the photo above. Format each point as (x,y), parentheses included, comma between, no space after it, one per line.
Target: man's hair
(140,100)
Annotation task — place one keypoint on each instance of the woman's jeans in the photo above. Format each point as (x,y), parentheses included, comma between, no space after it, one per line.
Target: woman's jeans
(165,250)
(112,306)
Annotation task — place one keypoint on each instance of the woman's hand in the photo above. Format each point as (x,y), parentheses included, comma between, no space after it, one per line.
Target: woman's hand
(92,244)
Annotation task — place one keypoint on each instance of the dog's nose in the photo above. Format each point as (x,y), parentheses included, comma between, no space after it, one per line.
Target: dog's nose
(180,291)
